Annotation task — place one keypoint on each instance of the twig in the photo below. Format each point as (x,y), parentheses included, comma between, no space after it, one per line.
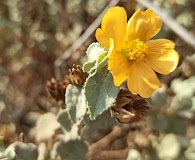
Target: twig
(58,62)
(106,141)
(170,22)
(111,155)
(116,133)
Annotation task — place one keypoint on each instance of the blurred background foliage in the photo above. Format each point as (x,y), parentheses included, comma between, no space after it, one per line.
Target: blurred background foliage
(34,33)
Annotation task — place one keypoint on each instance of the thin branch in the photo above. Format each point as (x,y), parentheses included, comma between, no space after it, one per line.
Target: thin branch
(58,62)
(111,155)
(170,22)
(105,142)
(116,133)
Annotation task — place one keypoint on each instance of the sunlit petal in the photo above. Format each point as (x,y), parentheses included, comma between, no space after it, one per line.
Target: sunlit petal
(143,25)
(119,79)
(102,38)
(114,25)
(161,56)
(118,63)
(142,80)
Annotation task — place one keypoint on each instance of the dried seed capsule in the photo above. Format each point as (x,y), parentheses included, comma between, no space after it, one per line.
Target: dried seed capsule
(129,107)
(77,76)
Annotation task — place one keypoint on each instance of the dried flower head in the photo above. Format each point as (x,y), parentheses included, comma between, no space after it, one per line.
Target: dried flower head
(57,89)
(76,75)
(129,107)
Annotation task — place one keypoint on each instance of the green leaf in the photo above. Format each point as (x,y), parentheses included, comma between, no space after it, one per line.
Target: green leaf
(159,97)
(75,107)
(102,57)
(171,146)
(100,90)
(184,106)
(65,120)
(167,124)
(46,126)
(91,66)
(22,151)
(95,54)
(26,151)
(72,150)
(88,66)
(102,124)
(94,50)
(184,88)
(75,102)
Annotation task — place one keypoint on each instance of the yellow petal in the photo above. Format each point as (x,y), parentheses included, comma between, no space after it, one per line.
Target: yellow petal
(117,64)
(142,79)
(161,56)
(143,25)
(119,79)
(114,25)
(102,38)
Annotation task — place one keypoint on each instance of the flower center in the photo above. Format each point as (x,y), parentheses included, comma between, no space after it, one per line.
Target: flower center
(135,50)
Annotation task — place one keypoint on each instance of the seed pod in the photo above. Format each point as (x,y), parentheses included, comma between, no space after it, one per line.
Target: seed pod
(129,108)
(57,89)
(77,76)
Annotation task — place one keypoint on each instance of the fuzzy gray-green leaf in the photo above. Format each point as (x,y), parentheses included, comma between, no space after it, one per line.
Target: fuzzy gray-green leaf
(100,91)
(94,55)
(22,151)
(46,126)
(75,102)
(88,66)
(94,50)
(65,120)
(102,124)
(72,150)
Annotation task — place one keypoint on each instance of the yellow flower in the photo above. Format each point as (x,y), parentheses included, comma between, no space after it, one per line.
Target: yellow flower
(132,55)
